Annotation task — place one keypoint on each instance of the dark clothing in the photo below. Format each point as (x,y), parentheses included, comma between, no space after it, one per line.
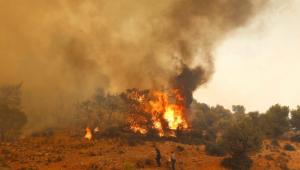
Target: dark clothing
(173,163)
(158,157)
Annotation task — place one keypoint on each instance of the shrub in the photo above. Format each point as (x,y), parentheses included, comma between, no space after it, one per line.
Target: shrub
(289,147)
(237,163)
(240,140)
(112,132)
(128,166)
(269,157)
(179,149)
(43,133)
(295,138)
(275,143)
(133,140)
(93,166)
(276,121)
(214,149)
(3,165)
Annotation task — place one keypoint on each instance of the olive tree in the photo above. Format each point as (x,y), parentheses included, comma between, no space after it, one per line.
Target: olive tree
(242,138)
(295,119)
(276,121)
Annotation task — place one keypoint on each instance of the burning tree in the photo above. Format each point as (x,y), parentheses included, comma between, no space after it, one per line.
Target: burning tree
(153,110)
(144,112)
(12,118)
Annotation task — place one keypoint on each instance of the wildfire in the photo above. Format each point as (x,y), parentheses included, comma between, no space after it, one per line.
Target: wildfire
(174,118)
(166,110)
(88,134)
(138,129)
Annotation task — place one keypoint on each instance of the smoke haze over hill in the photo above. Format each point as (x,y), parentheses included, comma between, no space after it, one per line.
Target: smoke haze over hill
(63,50)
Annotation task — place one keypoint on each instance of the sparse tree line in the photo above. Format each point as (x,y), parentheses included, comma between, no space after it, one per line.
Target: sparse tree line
(240,134)
(236,133)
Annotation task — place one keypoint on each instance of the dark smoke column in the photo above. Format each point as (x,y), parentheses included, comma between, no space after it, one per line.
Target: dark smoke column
(188,81)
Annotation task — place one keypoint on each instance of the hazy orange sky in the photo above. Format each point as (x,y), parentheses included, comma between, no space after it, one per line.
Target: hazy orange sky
(258,65)
(67,49)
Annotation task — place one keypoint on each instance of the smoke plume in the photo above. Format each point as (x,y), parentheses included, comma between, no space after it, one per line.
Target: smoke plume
(62,50)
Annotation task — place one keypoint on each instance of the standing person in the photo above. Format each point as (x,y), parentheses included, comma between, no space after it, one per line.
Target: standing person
(173,160)
(158,156)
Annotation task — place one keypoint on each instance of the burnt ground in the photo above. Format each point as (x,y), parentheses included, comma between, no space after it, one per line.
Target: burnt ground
(63,151)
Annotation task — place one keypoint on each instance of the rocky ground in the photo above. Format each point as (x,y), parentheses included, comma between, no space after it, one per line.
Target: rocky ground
(63,151)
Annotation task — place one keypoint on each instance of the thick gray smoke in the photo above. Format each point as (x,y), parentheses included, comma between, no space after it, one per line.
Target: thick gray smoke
(62,50)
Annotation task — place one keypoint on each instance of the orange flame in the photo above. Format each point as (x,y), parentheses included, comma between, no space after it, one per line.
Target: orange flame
(138,129)
(88,134)
(167,112)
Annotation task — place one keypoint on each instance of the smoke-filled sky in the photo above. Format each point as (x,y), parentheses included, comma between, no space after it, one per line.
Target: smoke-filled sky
(258,65)
(63,50)
(240,51)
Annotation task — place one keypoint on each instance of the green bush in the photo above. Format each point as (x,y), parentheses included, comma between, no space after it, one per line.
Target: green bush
(295,119)
(240,140)
(276,121)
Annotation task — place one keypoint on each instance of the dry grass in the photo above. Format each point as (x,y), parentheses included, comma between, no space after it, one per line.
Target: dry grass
(61,151)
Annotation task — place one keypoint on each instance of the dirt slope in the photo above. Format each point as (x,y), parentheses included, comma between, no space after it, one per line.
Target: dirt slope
(62,152)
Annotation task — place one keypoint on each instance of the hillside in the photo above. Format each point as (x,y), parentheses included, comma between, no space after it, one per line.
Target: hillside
(63,151)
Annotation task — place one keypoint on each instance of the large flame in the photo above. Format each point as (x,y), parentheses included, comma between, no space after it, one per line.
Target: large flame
(166,110)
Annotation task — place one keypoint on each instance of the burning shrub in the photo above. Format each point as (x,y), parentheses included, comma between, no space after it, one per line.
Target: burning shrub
(161,111)
(144,112)
(12,118)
